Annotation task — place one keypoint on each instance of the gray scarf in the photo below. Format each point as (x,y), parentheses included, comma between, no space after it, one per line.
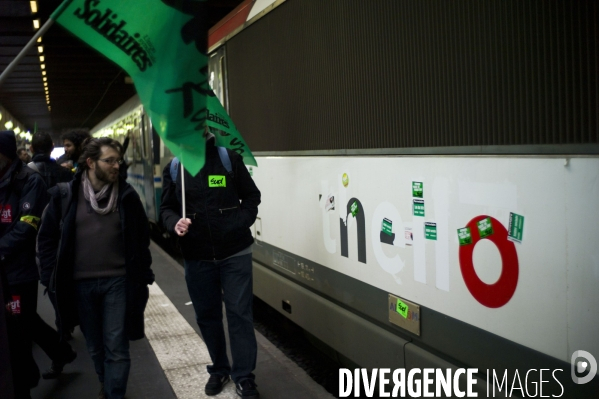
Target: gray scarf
(93,198)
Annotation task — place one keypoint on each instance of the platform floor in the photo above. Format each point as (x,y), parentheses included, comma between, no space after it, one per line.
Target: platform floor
(171,361)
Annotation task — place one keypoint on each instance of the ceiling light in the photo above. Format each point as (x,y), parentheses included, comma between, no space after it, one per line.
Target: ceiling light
(45,83)
(17,130)
(43,73)
(8,125)
(40,49)
(39,39)
(33,5)
(43,66)
(42,58)
(45,78)
(36,24)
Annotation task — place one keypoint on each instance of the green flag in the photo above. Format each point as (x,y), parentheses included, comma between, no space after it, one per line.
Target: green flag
(160,44)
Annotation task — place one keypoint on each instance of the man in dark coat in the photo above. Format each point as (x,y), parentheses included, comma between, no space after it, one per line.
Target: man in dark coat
(22,200)
(96,259)
(45,336)
(221,204)
(52,173)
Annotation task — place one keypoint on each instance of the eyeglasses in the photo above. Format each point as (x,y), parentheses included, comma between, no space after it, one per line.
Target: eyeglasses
(112,161)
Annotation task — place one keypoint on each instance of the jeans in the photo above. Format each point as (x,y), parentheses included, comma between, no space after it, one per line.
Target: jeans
(102,312)
(209,282)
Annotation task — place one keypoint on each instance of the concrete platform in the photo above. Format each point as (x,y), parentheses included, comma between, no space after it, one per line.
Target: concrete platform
(171,361)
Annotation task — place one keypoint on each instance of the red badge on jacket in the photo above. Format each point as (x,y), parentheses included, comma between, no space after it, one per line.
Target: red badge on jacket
(15,305)
(6,214)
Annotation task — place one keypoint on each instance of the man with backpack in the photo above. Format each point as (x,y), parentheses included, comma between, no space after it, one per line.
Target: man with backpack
(52,173)
(221,204)
(22,199)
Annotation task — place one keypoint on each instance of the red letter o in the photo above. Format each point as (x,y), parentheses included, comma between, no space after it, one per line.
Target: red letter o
(498,294)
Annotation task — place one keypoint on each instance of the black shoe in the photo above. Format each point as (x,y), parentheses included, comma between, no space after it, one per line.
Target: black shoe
(57,366)
(215,384)
(247,389)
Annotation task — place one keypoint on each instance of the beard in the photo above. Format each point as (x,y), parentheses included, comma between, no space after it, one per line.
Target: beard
(106,177)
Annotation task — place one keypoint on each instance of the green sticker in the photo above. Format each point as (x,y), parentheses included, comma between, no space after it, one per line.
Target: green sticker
(402,308)
(464,236)
(417,189)
(354,208)
(217,181)
(516,228)
(418,207)
(485,228)
(430,231)
(386,227)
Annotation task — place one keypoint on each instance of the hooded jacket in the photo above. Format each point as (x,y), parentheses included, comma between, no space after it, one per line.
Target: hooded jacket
(23,197)
(221,206)
(56,253)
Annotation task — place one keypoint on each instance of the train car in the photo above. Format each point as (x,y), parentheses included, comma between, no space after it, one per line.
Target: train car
(429,176)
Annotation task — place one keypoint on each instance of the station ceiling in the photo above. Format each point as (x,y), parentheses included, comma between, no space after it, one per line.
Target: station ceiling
(84,86)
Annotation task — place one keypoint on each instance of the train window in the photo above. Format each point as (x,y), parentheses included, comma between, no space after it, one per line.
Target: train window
(216,77)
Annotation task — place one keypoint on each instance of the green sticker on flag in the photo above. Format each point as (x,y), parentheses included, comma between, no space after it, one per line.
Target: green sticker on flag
(402,308)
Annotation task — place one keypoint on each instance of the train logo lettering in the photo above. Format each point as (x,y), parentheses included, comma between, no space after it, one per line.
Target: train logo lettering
(490,295)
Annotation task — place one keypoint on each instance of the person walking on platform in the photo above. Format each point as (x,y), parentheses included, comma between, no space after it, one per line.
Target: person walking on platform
(52,173)
(45,336)
(23,155)
(22,200)
(73,147)
(222,203)
(95,257)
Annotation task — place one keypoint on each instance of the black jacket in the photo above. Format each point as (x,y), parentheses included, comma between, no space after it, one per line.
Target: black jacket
(51,172)
(56,252)
(23,197)
(220,216)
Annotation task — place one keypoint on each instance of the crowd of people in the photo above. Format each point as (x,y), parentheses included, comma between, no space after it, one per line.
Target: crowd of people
(75,225)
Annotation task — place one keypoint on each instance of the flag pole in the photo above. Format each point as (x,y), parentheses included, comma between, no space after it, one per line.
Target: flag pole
(183,189)
(33,41)
(25,50)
